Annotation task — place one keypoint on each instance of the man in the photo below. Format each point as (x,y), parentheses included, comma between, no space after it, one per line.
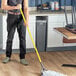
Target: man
(15,20)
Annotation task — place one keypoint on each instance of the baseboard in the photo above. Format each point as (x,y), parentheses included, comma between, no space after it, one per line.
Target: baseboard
(17,51)
(68,48)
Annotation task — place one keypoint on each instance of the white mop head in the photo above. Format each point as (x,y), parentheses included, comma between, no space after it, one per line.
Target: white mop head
(51,73)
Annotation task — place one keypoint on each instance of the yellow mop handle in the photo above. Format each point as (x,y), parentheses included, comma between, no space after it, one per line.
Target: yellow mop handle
(30,36)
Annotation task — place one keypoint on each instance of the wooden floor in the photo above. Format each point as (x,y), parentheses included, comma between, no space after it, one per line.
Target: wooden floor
(51,60)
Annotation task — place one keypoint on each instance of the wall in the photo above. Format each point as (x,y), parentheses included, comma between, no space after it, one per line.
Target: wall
(68,2)
(32,3)
(35,2)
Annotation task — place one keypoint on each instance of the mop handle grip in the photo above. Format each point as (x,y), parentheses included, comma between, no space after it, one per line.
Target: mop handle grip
(31,36)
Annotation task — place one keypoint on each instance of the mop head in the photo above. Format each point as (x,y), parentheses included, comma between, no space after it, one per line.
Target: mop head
(51,73)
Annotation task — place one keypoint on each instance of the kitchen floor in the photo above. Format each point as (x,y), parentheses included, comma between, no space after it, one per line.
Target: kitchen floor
(51,60)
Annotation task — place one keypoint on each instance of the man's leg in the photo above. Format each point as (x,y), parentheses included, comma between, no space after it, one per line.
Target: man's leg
(22,31)
(22,37)
(9,41)
(11,30)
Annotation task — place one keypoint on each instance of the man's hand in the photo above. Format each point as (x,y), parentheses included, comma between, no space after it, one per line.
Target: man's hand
(26,24)
(18,6)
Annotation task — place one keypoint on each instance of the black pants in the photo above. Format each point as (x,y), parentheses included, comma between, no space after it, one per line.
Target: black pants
(13,22)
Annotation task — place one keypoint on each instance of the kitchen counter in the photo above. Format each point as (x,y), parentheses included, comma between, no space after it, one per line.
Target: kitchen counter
(47,12)
(42,13)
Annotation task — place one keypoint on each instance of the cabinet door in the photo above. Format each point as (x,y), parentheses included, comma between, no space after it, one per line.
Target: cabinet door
(56,18)
(32,29)
(28,39)
(54,39)
(16,39)
(4,30)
